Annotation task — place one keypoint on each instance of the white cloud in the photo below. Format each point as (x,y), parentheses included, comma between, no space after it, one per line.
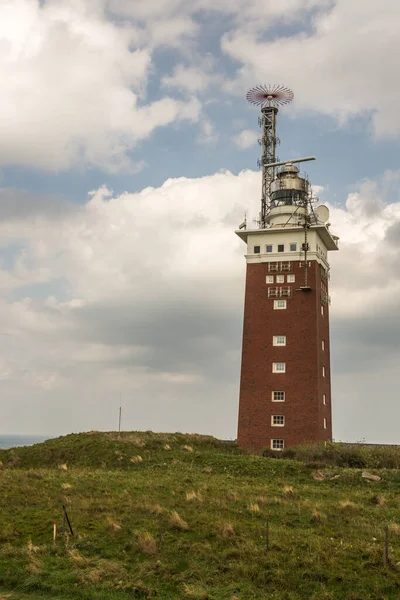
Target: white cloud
(246,138)
(343,67)
(71,87)
(208,134)
(151,304)
(73,91)
(190,79)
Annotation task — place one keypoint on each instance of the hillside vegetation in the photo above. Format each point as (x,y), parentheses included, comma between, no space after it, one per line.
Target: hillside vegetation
(170,516)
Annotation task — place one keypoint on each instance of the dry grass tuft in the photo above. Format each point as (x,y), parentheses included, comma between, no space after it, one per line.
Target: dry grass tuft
(348,506)
(254,508)
(157,509)
(226,530)
(232,496)
(317,516)
(136,460)
(167,448)
(207,470)
(288,491)
(187,449)
(105,570)
(136,441)
(63,467)
(77,558)
(193,497)
(394,528)
(146,543)
(32,549)
(34,566)
(176,521)
(66,486)
(195,591)
(378,500)
(114,527)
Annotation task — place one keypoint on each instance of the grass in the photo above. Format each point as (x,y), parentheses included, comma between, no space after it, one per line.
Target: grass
(185,524)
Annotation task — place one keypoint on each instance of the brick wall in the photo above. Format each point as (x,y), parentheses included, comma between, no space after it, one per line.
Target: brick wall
(303,383)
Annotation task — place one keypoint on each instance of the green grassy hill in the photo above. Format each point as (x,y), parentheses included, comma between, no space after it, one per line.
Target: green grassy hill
(170,516)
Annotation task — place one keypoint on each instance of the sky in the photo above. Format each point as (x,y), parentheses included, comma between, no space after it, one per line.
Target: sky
(128,157)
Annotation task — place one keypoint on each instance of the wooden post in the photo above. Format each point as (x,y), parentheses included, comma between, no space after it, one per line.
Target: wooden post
(266,536)
(386,546)
(68,521)
(54,532)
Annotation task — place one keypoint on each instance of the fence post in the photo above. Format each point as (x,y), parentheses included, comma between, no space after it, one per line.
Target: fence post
(68,521)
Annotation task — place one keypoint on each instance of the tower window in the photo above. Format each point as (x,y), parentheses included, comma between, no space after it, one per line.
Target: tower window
(325,424)
(269,279)
(293,247)
(279,340)
(291,278)
(279,367)
(277,444)
(323,398)
(268,248)
(323,345)
(323,371)
(277,420)
(322,309)
(281,247)
(278,396)
(280,279)
(279,304)
(256,249)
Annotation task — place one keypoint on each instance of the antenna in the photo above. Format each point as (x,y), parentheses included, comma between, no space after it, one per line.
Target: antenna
(120,413)
(269,98)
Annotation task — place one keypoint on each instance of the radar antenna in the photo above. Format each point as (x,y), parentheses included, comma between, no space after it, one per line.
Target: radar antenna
(269,98)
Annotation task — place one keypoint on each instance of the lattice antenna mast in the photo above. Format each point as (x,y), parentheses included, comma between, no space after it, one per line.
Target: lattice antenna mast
(269,98)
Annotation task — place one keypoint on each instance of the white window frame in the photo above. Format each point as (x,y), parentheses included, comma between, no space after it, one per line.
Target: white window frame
(269,279)
(279,340)
(291,278)
(324,399)
(280,279)
(269,246)
(278,392)
(325,423)
(295,246)
(280,444)
(275,367)
(280,417)
(277,304)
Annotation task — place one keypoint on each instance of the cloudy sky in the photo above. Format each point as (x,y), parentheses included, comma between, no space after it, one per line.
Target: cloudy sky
(128,157)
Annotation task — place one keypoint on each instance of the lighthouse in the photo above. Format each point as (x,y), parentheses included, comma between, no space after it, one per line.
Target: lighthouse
(285,384)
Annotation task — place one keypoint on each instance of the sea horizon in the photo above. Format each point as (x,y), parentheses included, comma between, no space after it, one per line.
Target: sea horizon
(15,440)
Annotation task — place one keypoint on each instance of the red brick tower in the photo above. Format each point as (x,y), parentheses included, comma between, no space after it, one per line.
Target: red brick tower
(285,387)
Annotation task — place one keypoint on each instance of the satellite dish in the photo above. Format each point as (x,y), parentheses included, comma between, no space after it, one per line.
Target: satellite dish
(322,213)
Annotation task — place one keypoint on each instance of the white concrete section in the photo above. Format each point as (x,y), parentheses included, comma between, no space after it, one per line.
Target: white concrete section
(274,235)
(286,215)
(265,245)
(261,258)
